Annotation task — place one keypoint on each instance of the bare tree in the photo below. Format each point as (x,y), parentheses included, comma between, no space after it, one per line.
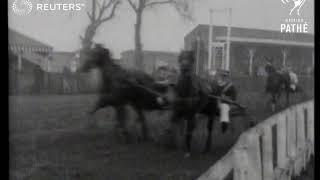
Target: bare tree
(139,6)
(102,11)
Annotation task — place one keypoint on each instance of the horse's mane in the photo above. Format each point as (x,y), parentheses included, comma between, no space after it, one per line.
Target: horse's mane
(107,54)
(119,72)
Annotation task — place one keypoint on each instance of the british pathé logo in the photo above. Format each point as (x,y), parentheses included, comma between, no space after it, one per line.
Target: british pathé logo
(22,7)
(294,23)
(297,4)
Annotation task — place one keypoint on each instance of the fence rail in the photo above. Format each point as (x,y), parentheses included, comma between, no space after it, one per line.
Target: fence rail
(278,148)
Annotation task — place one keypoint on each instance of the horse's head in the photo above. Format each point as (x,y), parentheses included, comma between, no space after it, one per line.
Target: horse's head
(186,61)
(96,57)
(269,67)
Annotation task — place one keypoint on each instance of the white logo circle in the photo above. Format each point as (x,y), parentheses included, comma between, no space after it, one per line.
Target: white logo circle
(22,7)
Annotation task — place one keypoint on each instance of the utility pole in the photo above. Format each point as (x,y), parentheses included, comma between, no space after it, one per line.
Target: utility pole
(228,39)
(227,63)
(198,55)
(210,40)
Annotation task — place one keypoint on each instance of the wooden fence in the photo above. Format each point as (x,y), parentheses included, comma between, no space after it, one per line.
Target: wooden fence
(277,148)
(41,82)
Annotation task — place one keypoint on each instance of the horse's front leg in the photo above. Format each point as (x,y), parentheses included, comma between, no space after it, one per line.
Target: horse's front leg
(209,136)
(189,133)
(98,105)
(103,101)
(144,127)
(121,117)
(174,130)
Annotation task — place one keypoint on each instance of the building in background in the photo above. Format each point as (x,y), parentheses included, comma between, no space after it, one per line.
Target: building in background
(29,52)
(35,68)
(29,60)
(64,61)
(248,49)
(152,60)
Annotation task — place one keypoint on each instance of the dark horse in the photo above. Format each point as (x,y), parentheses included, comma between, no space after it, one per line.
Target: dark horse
(192,97)
(120,87)
(278,83)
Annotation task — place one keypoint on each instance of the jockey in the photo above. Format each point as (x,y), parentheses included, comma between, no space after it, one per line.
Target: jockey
(226,90)
(293,78)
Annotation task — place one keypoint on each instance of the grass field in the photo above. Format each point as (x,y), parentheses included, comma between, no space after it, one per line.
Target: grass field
(52,137)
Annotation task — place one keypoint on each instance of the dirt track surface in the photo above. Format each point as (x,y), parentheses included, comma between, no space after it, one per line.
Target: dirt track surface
(52,137)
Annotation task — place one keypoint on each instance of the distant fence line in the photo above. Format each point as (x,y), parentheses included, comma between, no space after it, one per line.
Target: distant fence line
(41,82)
(49,83)
(278,148)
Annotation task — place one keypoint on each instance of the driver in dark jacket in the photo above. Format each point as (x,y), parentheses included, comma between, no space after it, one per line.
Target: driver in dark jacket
(226,90)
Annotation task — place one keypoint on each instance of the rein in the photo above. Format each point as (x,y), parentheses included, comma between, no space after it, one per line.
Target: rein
(183,99)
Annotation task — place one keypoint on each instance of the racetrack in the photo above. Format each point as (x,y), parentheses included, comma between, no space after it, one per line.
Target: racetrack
(51,138)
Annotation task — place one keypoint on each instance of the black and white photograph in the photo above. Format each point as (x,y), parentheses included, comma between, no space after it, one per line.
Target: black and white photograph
(161,89)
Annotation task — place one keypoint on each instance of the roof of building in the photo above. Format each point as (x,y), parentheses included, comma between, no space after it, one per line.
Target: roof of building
(17,38)
(253,33)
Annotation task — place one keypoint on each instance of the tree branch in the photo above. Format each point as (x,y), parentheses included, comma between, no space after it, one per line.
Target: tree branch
(103,8)
(90,17)
(93,12)
(98,4)
(134,7)
(152,3)
(115,5)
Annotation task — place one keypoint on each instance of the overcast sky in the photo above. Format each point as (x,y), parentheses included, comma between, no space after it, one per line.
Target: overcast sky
(163,29)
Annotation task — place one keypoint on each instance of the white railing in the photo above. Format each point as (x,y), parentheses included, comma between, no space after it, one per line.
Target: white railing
(277,148)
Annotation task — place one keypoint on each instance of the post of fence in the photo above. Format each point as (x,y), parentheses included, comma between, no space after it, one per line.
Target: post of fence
(241,164)
(295,141)
(310,116)
(267,153)
(254,156)
(291,139)
(281,140)
(301,140)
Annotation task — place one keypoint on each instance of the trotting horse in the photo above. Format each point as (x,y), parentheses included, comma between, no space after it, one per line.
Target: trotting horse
(278,83)
(193,97)
(120,87)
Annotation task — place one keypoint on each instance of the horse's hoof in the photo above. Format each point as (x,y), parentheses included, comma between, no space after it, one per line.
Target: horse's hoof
(187,155)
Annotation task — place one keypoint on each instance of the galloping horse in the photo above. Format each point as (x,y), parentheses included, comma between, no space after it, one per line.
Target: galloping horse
(192,97)
(277,83)
(120,87)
